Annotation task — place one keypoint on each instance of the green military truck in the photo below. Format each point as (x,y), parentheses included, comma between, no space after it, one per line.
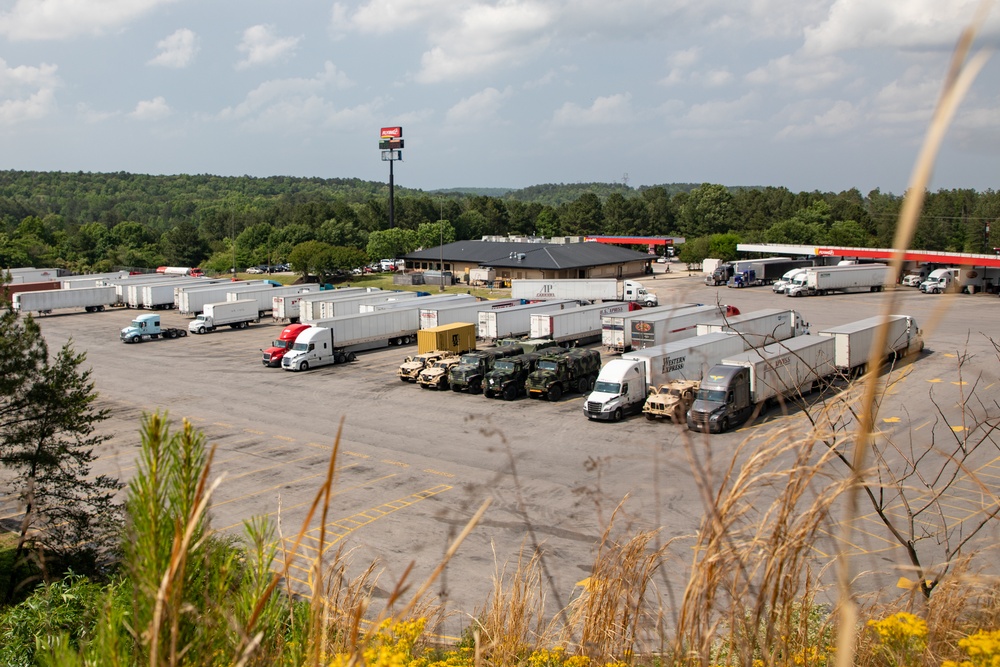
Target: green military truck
(506,380)
(557,374)
(470,372)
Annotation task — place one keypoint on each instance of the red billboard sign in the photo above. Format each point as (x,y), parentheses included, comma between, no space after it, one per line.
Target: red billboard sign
(395,132)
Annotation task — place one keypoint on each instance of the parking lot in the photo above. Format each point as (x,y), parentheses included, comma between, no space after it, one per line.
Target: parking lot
(416,464)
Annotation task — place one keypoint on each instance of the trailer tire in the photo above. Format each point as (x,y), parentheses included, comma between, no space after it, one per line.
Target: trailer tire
(136,339)
(555,393)
(182,333)
(353,357)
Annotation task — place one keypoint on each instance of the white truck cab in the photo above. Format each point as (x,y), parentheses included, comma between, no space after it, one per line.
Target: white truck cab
(620,389)
(313,347)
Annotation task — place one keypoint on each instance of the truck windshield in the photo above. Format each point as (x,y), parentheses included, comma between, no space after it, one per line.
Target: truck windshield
(548,365)
(607,387)
(471,359)
(712,395)
(504,366)
(281,344)
(300,347)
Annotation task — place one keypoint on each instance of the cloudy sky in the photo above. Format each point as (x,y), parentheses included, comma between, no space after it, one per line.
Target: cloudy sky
(806,94)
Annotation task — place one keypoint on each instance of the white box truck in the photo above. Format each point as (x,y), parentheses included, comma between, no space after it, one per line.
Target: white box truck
(616,330)
(576,326)
(822,280)
(441,314)
(624,384)
(339,339)
(235,314)
(760,327)
(91,299)
(854,341)
(516,321)
(583,289)
(733,389)
(264,296)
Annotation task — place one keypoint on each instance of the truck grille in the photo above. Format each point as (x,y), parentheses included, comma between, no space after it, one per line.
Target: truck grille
(593,407)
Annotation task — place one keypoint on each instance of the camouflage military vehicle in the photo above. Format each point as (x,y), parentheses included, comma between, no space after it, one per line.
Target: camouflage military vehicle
(470,372)
(506,380)
(556,374)
(671,400)
(413,364)
(436,375)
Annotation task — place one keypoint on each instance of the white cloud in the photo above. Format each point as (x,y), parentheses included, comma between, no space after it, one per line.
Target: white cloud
(800,72)
(384,16)
(717,77)
(487,37)
(154,109)
(477,108)
(838,118)
(721,113)
(27,93)
(60,19)
(903,24)
(302,99)
(610,110)
(177,50)
(262,46)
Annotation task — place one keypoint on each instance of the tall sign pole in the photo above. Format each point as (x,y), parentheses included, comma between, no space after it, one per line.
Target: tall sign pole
(391,144)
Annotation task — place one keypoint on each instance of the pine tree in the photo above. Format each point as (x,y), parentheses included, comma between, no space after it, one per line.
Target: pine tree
(48,442)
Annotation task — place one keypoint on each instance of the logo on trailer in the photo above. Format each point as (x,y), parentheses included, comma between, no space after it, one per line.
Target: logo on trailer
(642,327)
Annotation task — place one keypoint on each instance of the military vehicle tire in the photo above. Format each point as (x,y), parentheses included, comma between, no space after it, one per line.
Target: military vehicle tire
(650,417)
(555,393)
(456,387)
(509,393)
(581,385)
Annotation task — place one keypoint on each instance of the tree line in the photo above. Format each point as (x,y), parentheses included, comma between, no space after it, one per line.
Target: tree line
(96,222)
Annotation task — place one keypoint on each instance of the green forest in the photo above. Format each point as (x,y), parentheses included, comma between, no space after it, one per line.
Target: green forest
(96,222)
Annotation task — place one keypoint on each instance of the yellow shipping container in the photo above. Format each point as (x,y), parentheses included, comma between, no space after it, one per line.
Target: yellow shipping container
(458,338)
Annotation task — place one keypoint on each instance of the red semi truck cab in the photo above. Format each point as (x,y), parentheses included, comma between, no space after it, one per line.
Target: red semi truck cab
(272,355)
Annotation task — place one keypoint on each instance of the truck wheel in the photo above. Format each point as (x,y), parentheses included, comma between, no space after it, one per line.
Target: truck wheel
(555,393)
(617,416)
(509,392)
(339,358)
(353,357)
(724,425)
(456,387)
(170,334)
(201,330)
(304,366)
(488,393)
(136,339)
(581,385)
(182,333)
(650,417)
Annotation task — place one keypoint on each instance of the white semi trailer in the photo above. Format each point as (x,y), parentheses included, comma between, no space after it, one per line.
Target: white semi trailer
(91,299)
(854,341)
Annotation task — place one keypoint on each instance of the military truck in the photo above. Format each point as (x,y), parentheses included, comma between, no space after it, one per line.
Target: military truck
(529,344)
(671,400)
(506,380)
(556,374)
(471,371)
(435,376)
(410,369)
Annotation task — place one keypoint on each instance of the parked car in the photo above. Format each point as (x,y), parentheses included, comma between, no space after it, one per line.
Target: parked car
(254,269)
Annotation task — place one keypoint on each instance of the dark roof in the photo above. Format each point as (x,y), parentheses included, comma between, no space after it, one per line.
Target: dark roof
(548,256)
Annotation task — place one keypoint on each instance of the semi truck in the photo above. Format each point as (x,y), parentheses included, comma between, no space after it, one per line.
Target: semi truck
(91,299)
(755,272)
(583,289)
(339,339)
(624,384)
(663,328)
(459,338)
(940,281)
(191,299)
(274,354)
(854,341)
(556,374)
(760,327)
(516,320)
(576,326)
(822,280)
(147,327)
(264,296)
(235,314)
(289,308)
(448,313)
(734,389)
(616,330)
